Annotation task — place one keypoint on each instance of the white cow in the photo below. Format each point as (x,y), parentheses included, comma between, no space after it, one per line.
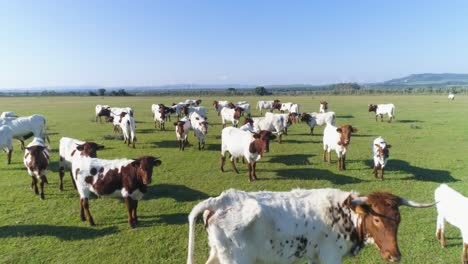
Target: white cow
(230,115)
(320,225)
(6,144)
(338,139)
(271,122)
(320,119)
(71,150)
(26,126)
(383,109)
(451,207)
(451,96)
(200,127)
(268,105)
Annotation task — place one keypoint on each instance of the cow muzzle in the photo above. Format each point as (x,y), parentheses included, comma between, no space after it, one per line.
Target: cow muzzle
(391,257)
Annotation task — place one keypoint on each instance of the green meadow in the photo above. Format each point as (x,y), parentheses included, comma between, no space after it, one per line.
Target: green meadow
(429,146)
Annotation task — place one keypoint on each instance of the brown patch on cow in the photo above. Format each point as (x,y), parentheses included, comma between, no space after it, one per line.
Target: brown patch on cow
(249,121)
(89,179)
(122,115)
(88,149)
(261,143)
(38,161)
(237,113)
(180,127)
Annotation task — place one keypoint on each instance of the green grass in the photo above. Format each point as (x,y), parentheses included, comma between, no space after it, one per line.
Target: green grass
(429,143)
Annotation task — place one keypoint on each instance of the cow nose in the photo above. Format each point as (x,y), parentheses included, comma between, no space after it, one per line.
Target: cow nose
(391,257)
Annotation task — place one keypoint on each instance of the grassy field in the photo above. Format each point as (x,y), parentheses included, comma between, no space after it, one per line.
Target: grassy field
(429,142)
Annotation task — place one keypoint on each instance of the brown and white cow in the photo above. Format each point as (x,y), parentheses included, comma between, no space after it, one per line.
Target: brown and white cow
(338,139)
(36,161)
(323,107)
(318,225)
(126,178)
(182,128)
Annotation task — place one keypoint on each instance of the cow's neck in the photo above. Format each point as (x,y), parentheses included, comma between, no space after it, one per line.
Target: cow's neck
(360,225)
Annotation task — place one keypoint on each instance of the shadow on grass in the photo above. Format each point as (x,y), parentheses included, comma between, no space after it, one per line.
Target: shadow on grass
(419,174)
(167,144)
(294,141)
(409,121)
(317,174)
(146,131)
(61,232)
(289,160)
(345,116)
(179,193)
(171,219)
(215,147)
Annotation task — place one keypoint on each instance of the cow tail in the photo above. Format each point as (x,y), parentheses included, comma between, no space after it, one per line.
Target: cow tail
(208,204)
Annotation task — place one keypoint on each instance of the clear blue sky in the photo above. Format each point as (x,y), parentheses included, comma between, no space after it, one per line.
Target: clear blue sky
(120,43)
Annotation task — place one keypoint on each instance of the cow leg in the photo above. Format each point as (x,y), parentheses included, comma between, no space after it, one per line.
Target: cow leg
(376,116)
(22,144)
(233,164)
(9,156)
(311,130)
(375,171)
(224,125)
(324,155)
(213,258)
(286,131)
(440,230)
(82,215)
(199,145)
(133,143)
(129,204)
(250,171)
(339,163)
(254,169)
(203,145)
(155,124)
(223,160)
(61,174)
(34,185)
(85,206)
(73,180)
(134,213)
(279,139)
(43,180)
(329,157)
(381,173)
(465,253)
(343,162)
(381,118)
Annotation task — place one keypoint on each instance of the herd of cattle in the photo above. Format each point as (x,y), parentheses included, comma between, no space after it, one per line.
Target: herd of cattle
(319,225)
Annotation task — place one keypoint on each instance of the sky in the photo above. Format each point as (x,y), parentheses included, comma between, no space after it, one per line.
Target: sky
(151,43)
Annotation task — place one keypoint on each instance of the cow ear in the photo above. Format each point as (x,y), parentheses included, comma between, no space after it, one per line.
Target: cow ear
(175,123)
(389,146)
(100,147)
(361,209)
(157,162)
(80,147)
(272,137)
(252,148)
(377,145)
(256,135)
(136,163)
(354,130)
(339,130)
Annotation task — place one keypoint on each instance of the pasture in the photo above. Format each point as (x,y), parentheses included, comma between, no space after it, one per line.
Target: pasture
(429,146)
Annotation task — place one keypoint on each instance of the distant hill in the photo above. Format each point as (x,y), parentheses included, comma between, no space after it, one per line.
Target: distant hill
(429,79)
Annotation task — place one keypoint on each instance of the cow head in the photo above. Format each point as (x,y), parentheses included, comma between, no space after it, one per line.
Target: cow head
(144,166)
(162,112)
(261,142)
(345,134)
(291,118)
(231,105)
(198,102)
(305,117)
(88,149)
(203,124)
(216,104)
(379,219)
(109,119)
(248,121)
(185,109)
(324,105)
(237,112)
(179,127)
(372,108)
(382,151)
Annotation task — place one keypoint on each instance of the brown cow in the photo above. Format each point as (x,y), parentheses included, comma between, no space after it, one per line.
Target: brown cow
(36,161)
(122,178)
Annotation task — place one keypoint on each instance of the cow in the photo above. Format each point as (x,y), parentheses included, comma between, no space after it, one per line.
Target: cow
(319,119)
(187,110)
(451,96)
(219,105)
(182,128)
(193,102)
(383,109)
(318,225)
(450,207)
(323,107)
(271,122)
(126,178)
(36,161)
(248,125)
(71,149)
(102,110)
(381,152)
(26,126)
(6,144)
(127,126)
(338,139)
(245,106)
(159,116)
(232,115)
(200,128)
(268,105)
(248,145)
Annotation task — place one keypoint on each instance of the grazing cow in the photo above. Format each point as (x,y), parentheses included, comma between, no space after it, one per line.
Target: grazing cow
(8,114)
(319,119)
(102,110)
(159,116)
(268,105)
(36,161)
(248,125)
(323,107)
(6,144)
(26,126)
(200,127)
(219,105)
(187,110)
(248,145)
(380,148)
(182,128)
(126,178)
(285,107)
(318,225)
(338,139)
(382,109)
(232,115)
(127,125)
(451,96)
(271,122)
(73,149)
(451,207)
(193,102)
(167,110)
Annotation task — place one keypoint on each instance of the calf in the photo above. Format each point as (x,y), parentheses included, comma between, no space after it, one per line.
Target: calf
(451,207)
(126,178)
(6,144)
(71,150)
(232,115)
(36,161)
(380,148)
(323,107)
(383,109)
(318,225)
(319,119)
(200,127)
(338,139)
(182,128)
(250,146)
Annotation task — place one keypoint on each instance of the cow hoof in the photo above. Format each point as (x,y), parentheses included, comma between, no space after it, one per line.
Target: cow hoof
(42,196)
(83,218)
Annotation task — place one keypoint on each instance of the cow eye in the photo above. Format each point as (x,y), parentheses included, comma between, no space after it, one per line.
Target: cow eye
(376,221)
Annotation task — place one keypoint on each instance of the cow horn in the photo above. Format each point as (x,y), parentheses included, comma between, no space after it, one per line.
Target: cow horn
(359,201)
(403,201)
